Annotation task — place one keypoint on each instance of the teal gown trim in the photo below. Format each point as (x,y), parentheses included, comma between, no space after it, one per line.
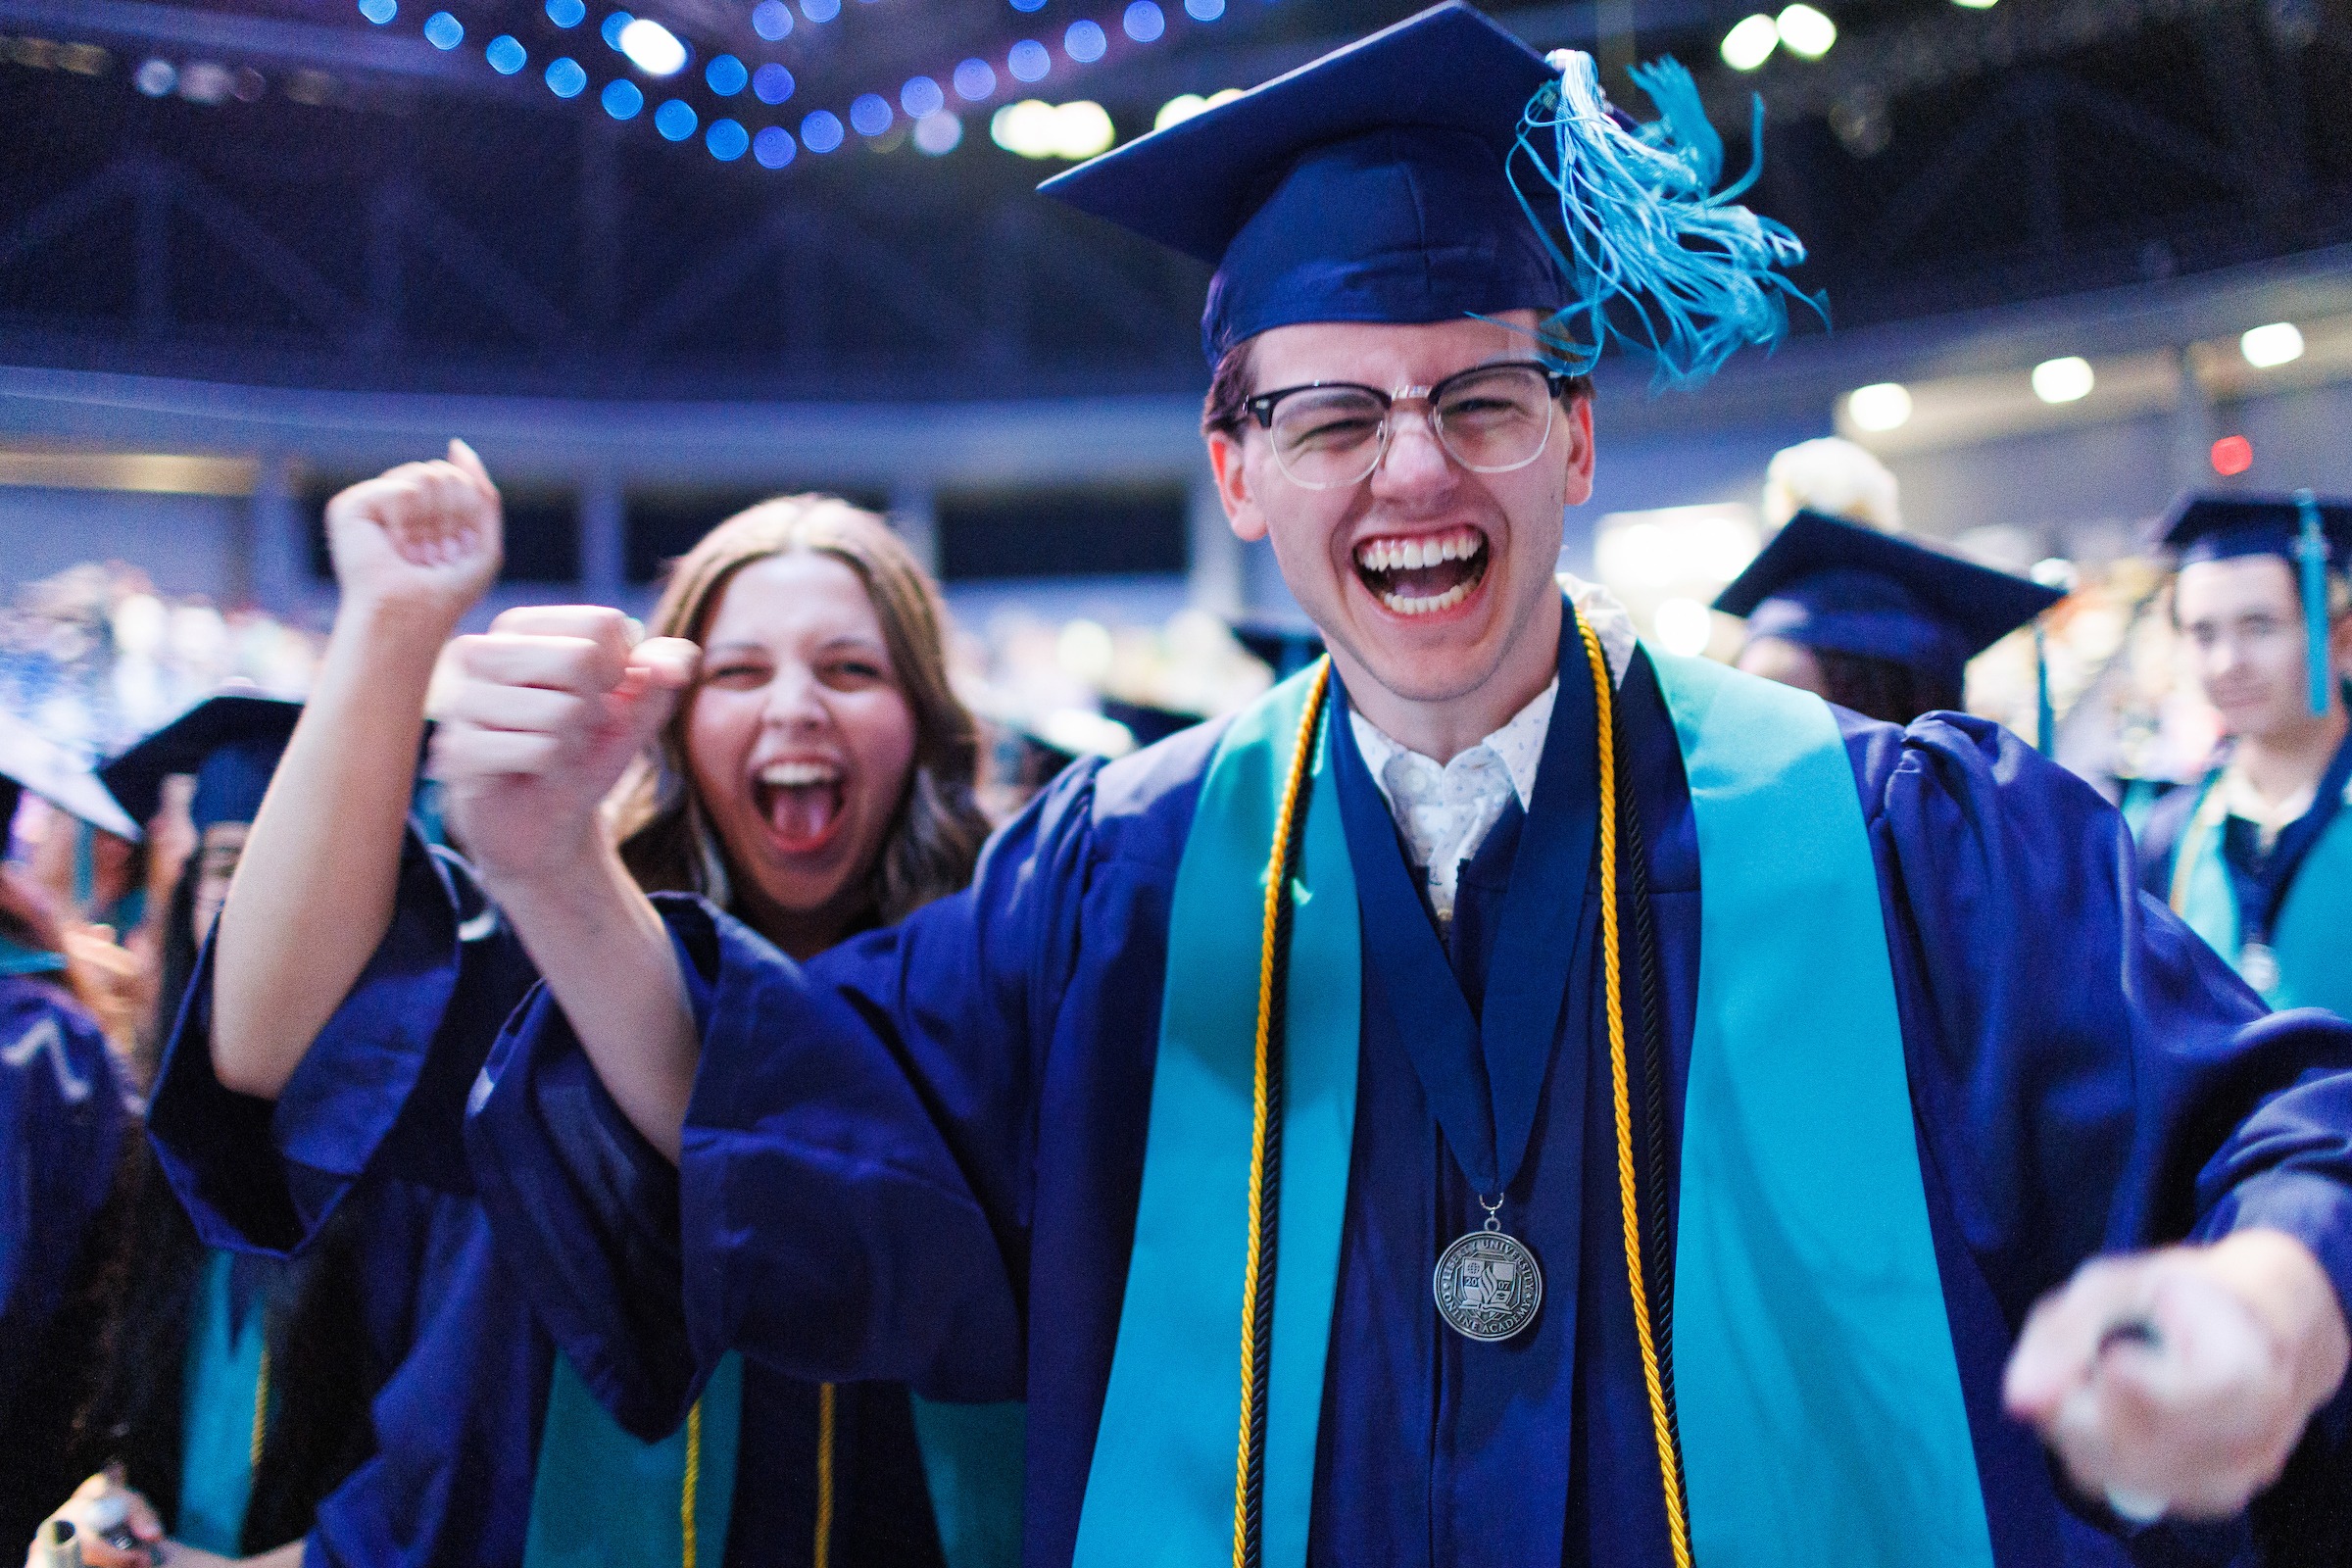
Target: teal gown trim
(1820,1409)
(602,1500)
(2310,942)
(1160,1490)
(223,1378)
(973,1466)
(1810,1326)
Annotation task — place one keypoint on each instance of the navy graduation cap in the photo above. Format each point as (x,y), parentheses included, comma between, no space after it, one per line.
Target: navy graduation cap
(231,742)
(1285,647)
(30,762)
(1853,590)
(2312,534)
(1442,169)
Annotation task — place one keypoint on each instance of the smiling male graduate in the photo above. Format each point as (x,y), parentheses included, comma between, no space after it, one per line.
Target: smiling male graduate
(1507,1095)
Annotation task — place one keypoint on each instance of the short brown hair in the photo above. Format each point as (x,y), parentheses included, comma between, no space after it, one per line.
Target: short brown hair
(936,835)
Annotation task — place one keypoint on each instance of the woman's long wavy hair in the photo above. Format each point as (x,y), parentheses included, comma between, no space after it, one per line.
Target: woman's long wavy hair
(935,837)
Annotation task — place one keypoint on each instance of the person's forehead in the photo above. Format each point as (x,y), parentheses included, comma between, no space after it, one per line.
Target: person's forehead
(799,597)
(1383,354)
(2236,585)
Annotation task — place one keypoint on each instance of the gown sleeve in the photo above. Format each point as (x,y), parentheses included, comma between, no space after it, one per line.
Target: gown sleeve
(382,1088)
(852,1197)
(2090,1075)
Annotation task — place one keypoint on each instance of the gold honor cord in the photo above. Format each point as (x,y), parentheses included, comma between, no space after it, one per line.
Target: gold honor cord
(261,1409)
(692,1488)
(1678,1525)
(1265,1138)
(824,1476)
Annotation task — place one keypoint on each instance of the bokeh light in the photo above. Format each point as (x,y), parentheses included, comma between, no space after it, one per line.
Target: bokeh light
(612,27)
(1880,407)
(2233,454)
(443,31)
(379,12)
(2266,348)
(728,140)
(1028,61)
(1807,33)
(975,79)
(675,119)
(1027,6)
(1684,626)
(726,75)
(1144,22)
(922,96)
(1185,105)
(938,133)
(869,114)
(1204,10)
(653,48)
(623,100)
(773,147)
(821,132)
(771,83)
(2064,381)
(1750,42)
(566,13)
(772,20)
(1084,42)
(820,10)
(565,77)
(507,54)
(1034,128)
(156,77)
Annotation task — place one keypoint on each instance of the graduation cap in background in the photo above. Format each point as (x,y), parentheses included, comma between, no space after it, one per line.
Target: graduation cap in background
(1853,590)
(1286,648)
(33,763)
(1440,169)
(2311,534)
(231,743)
(1147,722)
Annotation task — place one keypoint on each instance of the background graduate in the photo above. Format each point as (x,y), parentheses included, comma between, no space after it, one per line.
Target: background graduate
(820,781)
(2255,857)
(1685,1194)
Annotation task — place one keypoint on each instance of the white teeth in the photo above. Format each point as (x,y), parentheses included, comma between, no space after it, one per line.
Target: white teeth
(1406,554)
(1427,607)
(788,775)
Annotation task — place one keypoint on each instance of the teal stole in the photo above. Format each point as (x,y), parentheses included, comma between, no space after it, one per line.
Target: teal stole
(602,1500)
(1821,1411)
(16,958)
(2313,940)
(222,1411)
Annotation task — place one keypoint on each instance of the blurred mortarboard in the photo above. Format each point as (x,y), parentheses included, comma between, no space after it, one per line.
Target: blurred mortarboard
(2217,527)
(1390,181)
(1283,648)
(1146,722)
(31,763)
(231,743)
(1853,590)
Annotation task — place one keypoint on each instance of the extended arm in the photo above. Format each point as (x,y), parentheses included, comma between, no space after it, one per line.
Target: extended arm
(313,894)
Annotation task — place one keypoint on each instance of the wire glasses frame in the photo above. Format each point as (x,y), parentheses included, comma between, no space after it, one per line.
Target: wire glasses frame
(1328,434)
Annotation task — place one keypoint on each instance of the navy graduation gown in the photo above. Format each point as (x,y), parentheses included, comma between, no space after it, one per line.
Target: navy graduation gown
(2259,879)
(918,1157)
(373,1116)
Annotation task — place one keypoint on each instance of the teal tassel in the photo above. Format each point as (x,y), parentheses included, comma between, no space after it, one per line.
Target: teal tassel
(2045,718)
(2311,552)
(1640,226)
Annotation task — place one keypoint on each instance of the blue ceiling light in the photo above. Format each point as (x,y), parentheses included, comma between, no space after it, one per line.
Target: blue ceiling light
(975,79)
(675,119)
(1084,42)
(653,48)
(1144,22)
(870,115)
(771,83)
(772,20)
(773,147)
(822,131)
(726,75)
(820,10)
(566,13)
(565,77)
(728,140)
(506,55)
(379,12)
(1204,10)
(1028,61)
(623,100)
(922,96)
(1028,5)
(443,31)
(614,27)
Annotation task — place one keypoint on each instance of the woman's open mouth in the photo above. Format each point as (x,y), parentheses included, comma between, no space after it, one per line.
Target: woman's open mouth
(1424,574)
(801,802)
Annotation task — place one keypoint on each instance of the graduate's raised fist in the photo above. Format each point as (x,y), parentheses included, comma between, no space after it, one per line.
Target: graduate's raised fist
(543,716)
(2176,1383)
(423,538)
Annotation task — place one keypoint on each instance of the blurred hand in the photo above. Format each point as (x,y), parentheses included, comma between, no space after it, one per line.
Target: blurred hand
(423,539)
(2178,1382)
(101,1507)
(543,717)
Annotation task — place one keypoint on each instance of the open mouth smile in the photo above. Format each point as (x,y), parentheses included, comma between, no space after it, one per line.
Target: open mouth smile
(1424,574)
(801,802)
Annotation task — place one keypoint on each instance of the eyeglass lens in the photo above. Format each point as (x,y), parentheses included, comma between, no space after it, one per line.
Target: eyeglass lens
(1490,422)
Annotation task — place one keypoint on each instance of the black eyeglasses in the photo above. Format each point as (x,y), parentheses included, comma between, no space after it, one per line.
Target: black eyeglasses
(1490,419)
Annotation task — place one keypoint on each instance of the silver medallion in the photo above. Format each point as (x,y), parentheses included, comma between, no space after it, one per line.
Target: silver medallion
(1486,1284)
(2259,966)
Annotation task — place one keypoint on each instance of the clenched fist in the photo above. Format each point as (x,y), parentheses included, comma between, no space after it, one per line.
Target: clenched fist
(421,541)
